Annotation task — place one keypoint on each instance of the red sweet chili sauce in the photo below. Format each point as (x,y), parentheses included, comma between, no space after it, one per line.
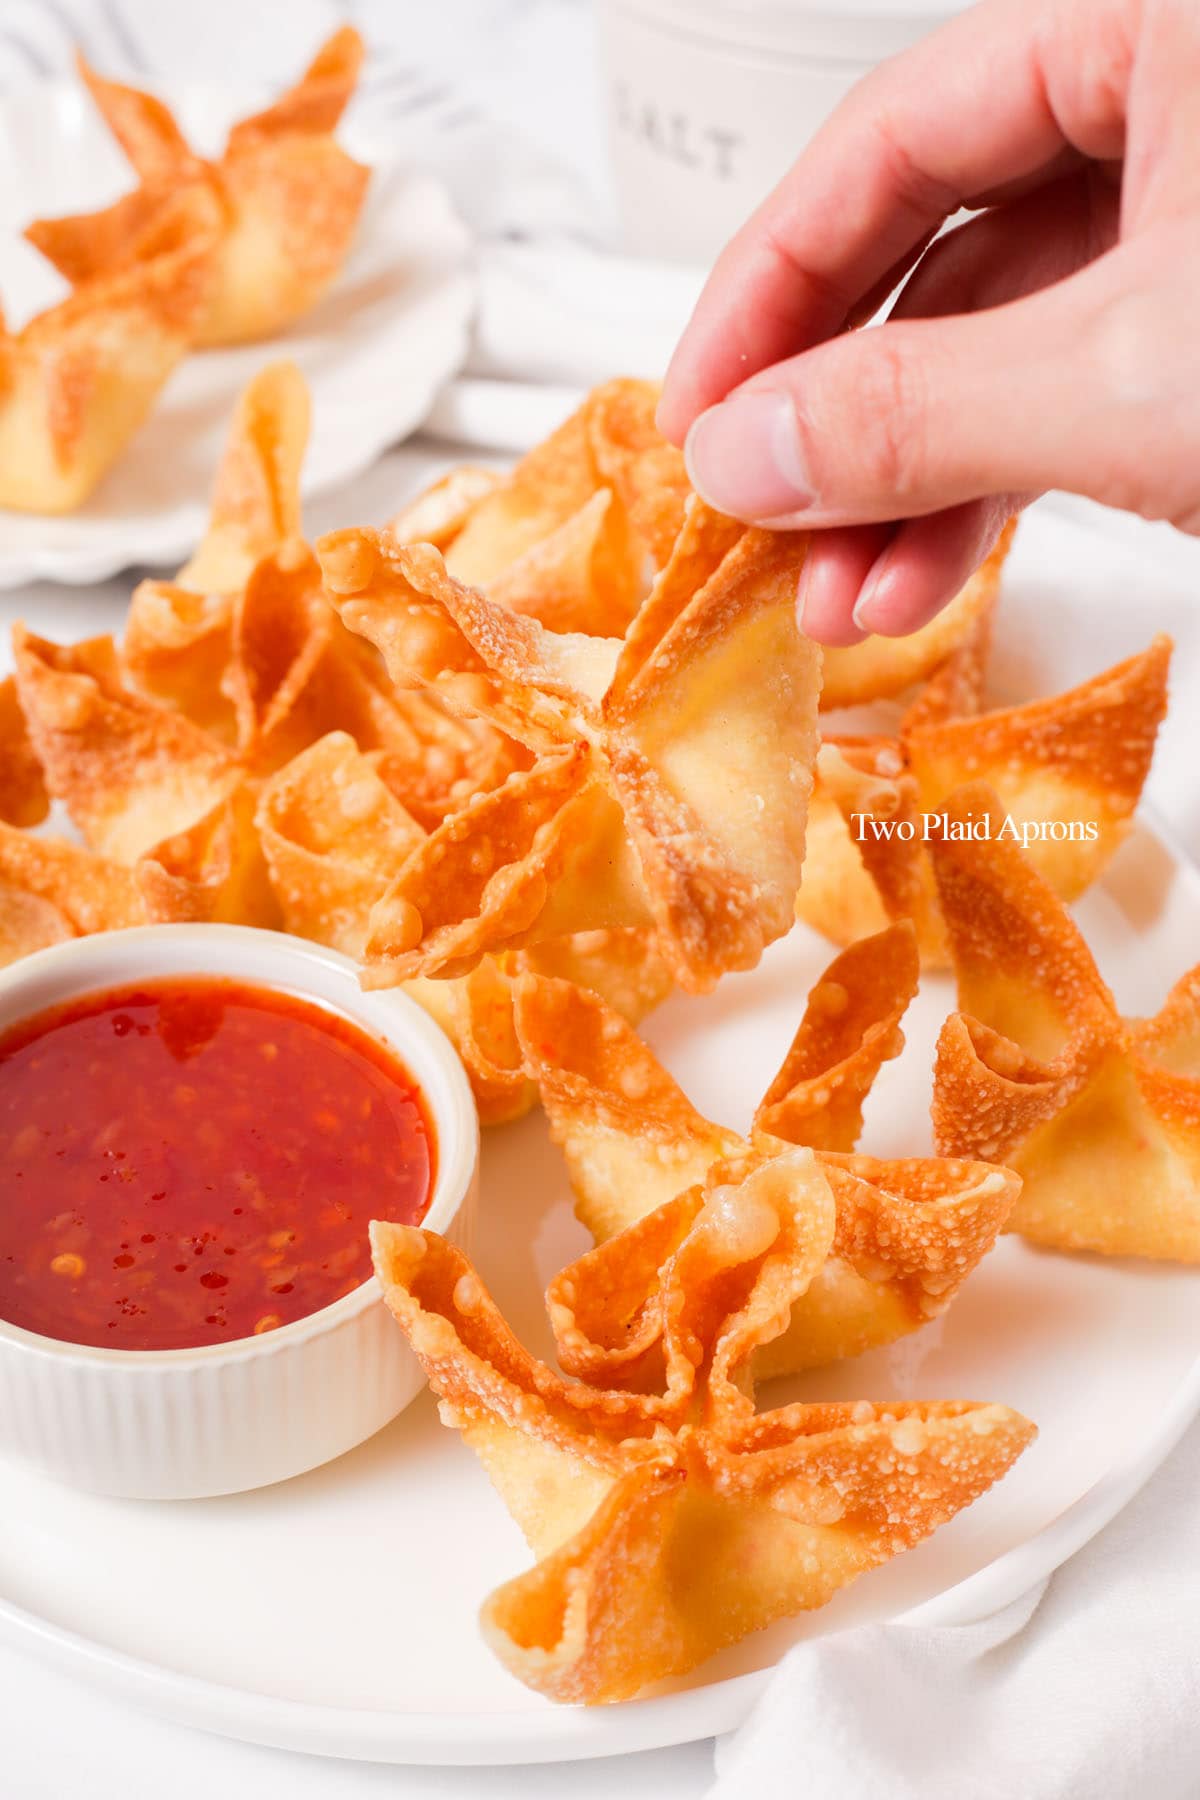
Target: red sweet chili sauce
(191,1161)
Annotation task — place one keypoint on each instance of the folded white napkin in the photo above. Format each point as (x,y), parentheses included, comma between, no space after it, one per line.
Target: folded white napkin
(1088,1688)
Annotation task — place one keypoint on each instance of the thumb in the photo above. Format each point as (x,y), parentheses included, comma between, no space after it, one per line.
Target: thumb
(919,415)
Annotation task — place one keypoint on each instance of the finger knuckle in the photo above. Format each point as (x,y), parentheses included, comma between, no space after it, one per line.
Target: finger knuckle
(1150,441)
(887,423)
(915,188)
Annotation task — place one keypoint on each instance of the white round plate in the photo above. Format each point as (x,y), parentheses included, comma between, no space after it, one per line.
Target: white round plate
(336,1613)
(375,350)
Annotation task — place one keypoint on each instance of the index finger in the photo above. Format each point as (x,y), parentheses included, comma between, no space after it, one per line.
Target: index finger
(987,100)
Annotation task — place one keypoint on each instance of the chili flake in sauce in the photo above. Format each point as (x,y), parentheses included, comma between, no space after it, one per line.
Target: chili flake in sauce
(187,1162)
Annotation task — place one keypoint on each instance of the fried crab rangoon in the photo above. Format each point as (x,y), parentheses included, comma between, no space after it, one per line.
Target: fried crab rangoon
(1083,755)
(575,533)
(278,209)
(671,769)
(1100,1115)
(157,748)
(78,380)
(242,756)
(667,1525)
(332,831)
(906,1234)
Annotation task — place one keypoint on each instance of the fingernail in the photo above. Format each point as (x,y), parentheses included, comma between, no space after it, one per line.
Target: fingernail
(868,594)
(745,458)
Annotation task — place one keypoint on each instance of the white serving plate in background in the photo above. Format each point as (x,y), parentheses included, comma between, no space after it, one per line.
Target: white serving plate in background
(375,350)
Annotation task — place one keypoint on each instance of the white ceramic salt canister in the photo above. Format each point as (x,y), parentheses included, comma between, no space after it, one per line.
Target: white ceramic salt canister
(709,101)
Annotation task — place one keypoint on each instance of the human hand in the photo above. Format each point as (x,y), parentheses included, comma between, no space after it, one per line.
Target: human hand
(1051,341)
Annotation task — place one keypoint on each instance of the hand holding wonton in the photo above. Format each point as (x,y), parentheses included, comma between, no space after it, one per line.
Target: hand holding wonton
(671,769)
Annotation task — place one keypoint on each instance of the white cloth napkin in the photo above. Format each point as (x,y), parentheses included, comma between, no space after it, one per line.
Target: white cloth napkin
(1088,1688)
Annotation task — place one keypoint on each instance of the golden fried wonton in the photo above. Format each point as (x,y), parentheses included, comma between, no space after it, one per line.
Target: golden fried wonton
(178,640)
(23,797)
(906,1234)
(573,536)
(333,833)
(245,643)
(79,379)
(278,208)
(670,773)
(766,1514)
(1083,755)
(129,773)
(1100,1115)
(212,871)
(256,496)
(51,890)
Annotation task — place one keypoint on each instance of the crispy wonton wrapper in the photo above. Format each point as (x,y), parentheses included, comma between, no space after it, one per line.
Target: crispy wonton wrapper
(214,871)
(79,379)
(611,443)
(333,832)
(277,211)
(574,534)
(618,1491)
(23,797)
(178,646)
(906,1233)
(256,496)
(260,659)
(1083,755)
(129,773)
(1100,1115)
(51,890)
(671,770)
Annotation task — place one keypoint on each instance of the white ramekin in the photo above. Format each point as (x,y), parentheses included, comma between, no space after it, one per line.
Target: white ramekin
(178,1424)
(709,101)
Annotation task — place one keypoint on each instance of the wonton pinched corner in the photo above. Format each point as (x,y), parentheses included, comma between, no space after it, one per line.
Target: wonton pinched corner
(278,208)
(575,533)
(1099,1115)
